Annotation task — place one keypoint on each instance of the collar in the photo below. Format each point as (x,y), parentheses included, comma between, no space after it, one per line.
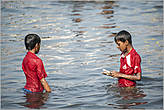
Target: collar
(32,54)
(123,56)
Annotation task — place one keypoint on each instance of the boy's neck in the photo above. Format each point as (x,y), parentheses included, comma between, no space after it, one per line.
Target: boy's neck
(129,48)
(32,51)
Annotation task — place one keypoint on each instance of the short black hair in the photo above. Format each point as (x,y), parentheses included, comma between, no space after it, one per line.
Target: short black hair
(31,40)
(123,36)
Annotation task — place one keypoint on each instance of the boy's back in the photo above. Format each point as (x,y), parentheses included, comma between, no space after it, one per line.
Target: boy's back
(33,66)
(34,71)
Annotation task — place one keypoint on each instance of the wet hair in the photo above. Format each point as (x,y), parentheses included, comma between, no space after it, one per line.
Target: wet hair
(31,40)
(123,36)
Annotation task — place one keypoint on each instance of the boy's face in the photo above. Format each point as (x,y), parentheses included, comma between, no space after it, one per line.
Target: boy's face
(122,46)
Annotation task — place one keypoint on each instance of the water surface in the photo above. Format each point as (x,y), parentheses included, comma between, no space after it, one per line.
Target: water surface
(77,43)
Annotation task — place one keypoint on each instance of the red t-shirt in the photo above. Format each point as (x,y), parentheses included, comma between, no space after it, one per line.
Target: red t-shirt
(130,65)
(34,71)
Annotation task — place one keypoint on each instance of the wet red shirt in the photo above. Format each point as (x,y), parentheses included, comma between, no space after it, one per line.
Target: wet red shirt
(129,65)
(34,71)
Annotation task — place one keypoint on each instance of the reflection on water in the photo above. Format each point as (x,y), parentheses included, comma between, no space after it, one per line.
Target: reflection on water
(35,100)
(77,43)
(127,96)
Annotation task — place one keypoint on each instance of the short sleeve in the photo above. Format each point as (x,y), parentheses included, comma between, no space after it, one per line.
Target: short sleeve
(137,64)
(41,73)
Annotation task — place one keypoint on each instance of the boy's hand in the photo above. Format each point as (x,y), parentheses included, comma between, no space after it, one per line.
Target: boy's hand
(112,73)
(106,72)
(115,74)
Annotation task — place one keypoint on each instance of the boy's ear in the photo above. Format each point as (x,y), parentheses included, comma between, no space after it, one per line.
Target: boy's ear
(127,42)
(36,45)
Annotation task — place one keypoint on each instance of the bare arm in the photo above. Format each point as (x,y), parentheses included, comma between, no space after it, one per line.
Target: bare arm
(130,77)
(45,85)
(121,75)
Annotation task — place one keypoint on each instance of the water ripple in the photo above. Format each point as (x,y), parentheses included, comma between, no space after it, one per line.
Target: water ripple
(77,43)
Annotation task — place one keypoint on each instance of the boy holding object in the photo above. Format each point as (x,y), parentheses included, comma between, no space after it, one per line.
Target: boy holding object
(130,68)
(33,66)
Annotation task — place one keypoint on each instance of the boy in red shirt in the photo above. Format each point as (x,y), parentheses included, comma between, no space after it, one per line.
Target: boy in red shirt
(130,68)
(33,66)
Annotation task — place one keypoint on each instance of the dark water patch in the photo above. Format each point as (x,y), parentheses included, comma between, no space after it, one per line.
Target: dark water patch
(155,37)
(158,7)
(147,79)
(53,3)
(11,10)
(155,103)
(31,8)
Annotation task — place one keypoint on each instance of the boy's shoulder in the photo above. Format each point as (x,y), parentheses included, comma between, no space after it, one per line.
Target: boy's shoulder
(134,52)
(33,57)
(135,55)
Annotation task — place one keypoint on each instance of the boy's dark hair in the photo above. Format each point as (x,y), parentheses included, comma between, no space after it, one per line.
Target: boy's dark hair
(123,36)
(31,40)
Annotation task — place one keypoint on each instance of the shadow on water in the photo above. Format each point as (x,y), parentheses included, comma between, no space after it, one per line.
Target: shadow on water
(125,97)
(35,100)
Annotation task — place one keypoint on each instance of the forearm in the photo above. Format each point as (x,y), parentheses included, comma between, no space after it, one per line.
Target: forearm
(131,77)
(45,85)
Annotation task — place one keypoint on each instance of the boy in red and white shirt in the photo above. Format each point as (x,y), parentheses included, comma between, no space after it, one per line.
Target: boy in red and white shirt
(130,68)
